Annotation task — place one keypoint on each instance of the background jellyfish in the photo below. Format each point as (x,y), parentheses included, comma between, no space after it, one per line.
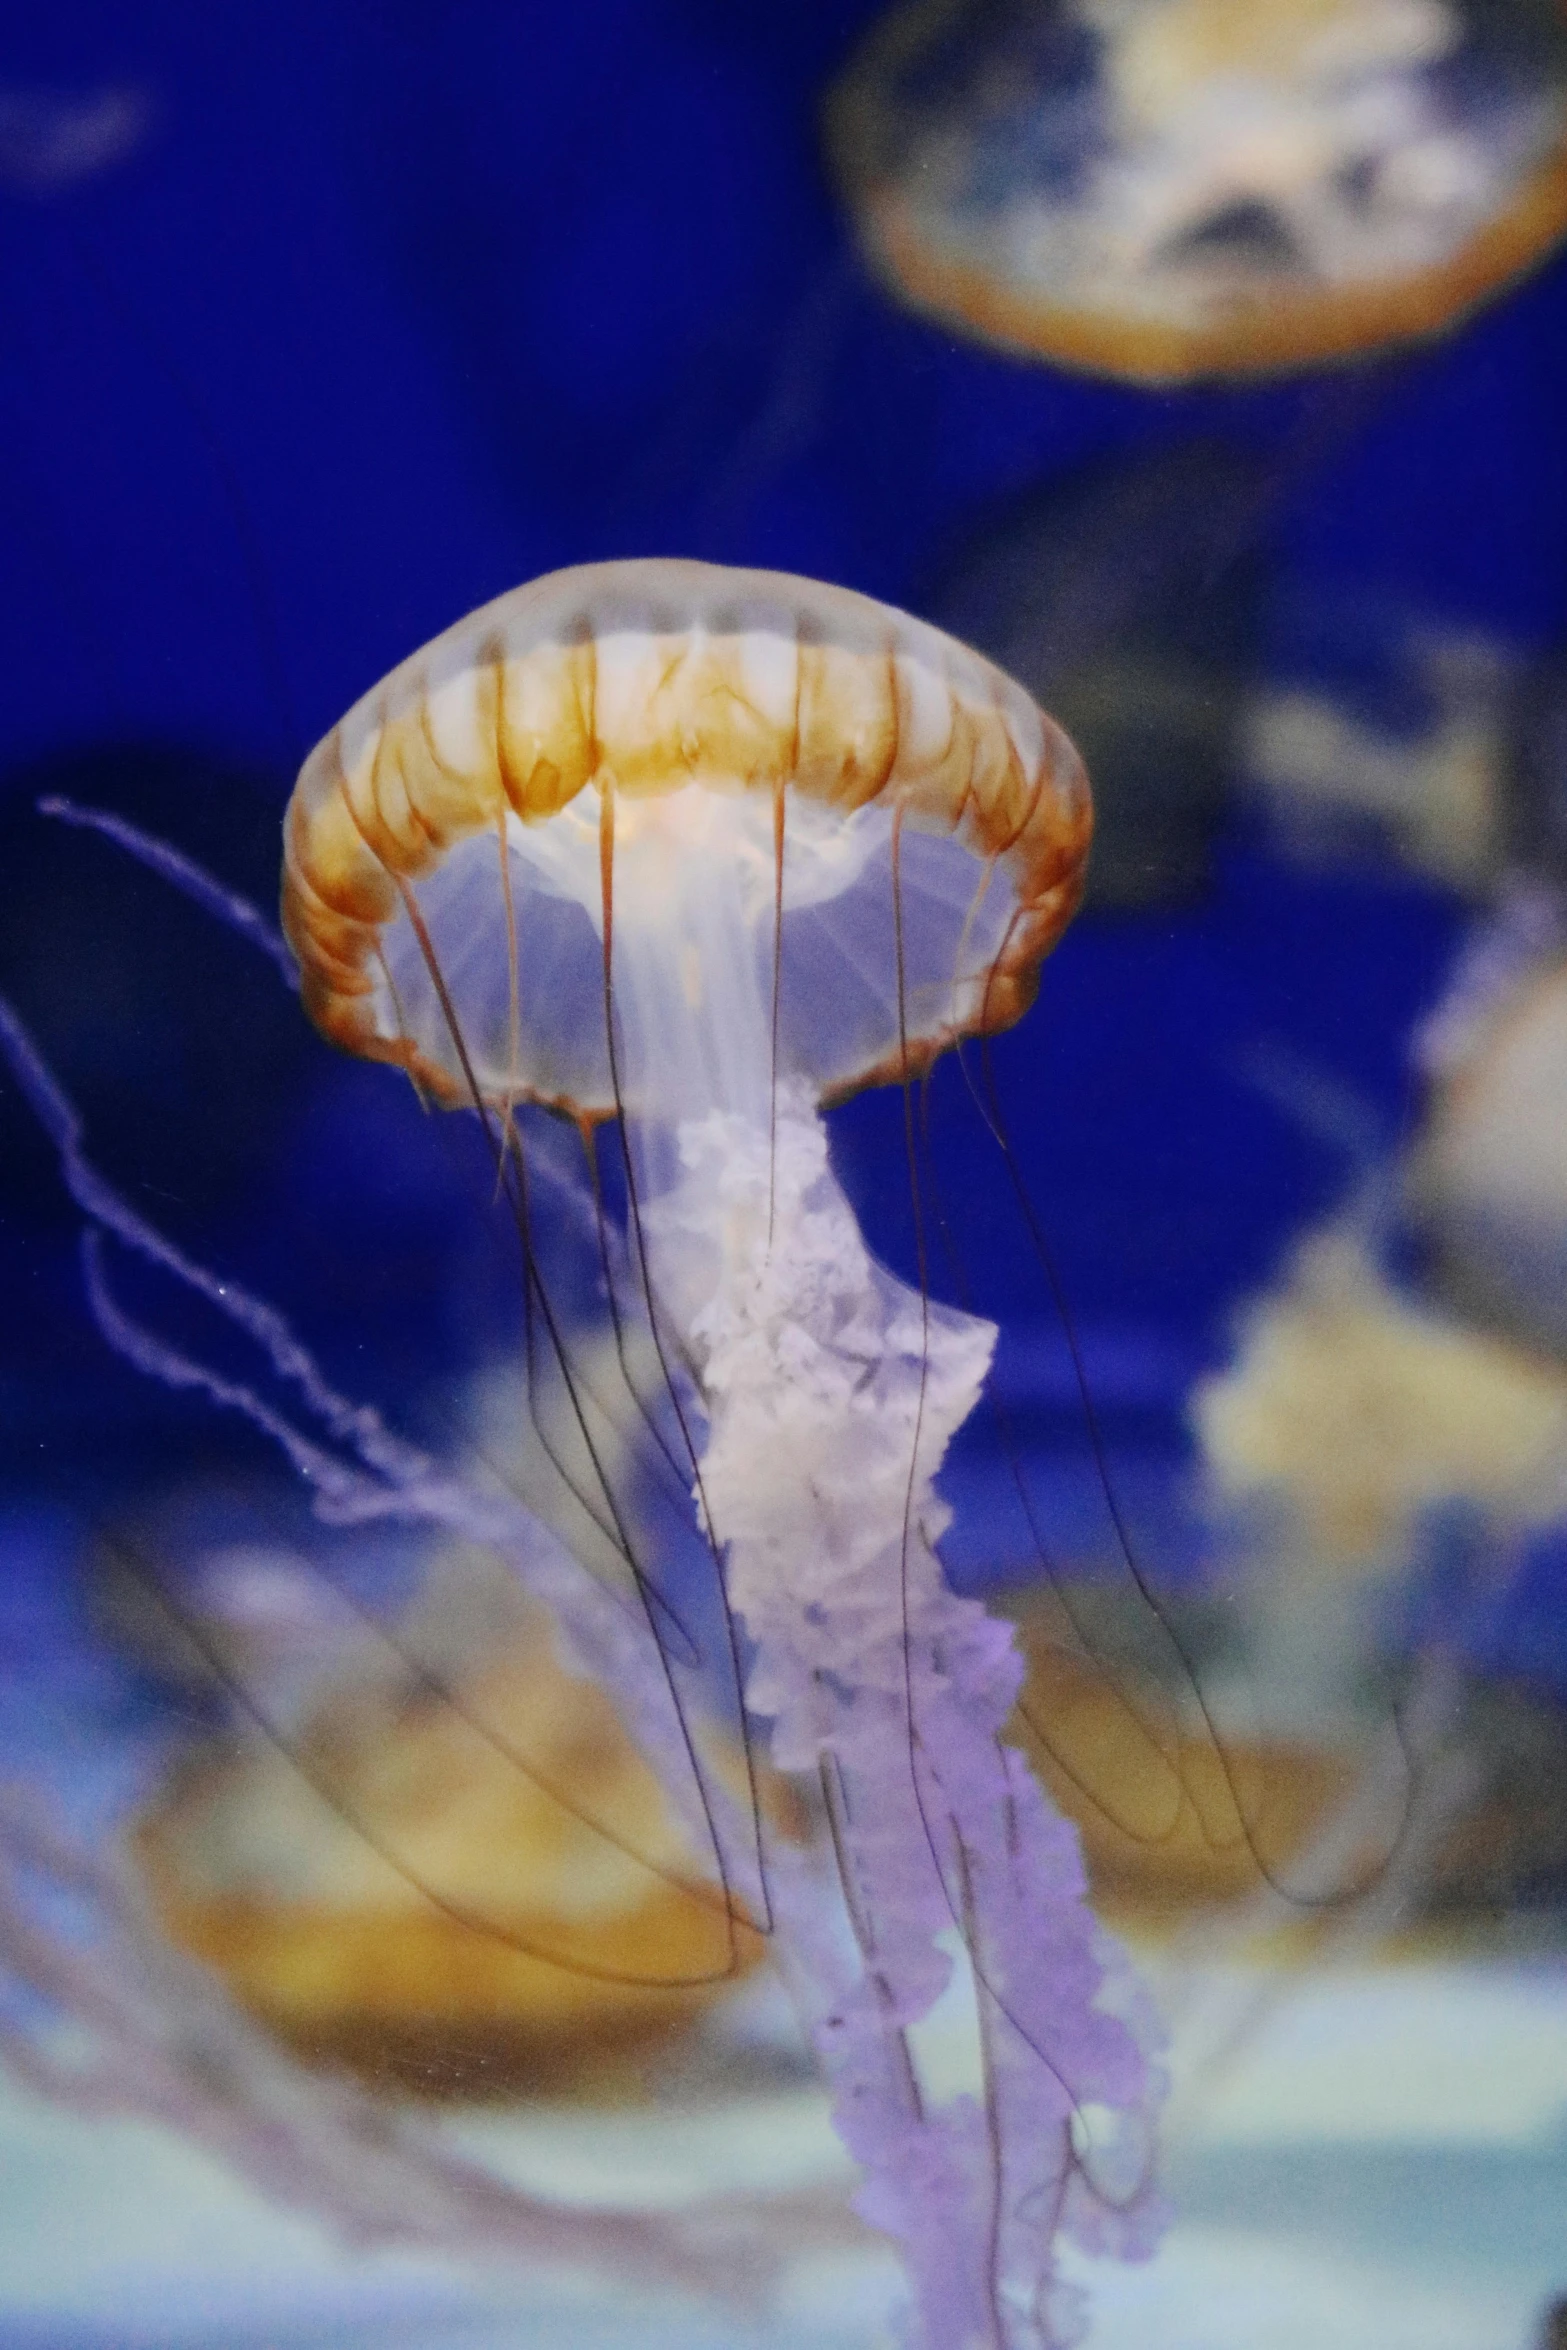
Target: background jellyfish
(438,1864)
(1172,188)
(695,850)
(1405,750)
(1127,599)
(104,2008)
(1398,1466)
(1487,1178)
(1384,1453)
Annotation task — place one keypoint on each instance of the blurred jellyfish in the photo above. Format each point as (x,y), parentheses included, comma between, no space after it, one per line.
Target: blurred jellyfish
(51,140)
(1488,1180)
(1163,189)
(119,1994)
(1390,1448)
(102,2012)
(1382,1471)
(1364,1411)
(1393,740)
(1487,1184)
(1126,599)
(441,1864)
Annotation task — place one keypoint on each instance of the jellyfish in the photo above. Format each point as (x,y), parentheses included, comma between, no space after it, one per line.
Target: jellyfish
(1168,189)
(1486,1178)
(689,854)
(439,1863)
(1433,794)
(1389,1472)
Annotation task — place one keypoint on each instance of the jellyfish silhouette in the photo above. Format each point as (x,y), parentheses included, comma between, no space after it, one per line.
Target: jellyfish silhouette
(1165,189)
(688,853)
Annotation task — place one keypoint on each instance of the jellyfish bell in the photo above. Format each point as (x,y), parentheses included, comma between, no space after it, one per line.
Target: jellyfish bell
(1166,189)
(699,851)
(626,755)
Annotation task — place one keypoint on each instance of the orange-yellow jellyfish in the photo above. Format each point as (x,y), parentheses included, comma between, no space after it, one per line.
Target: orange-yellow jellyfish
(698,850)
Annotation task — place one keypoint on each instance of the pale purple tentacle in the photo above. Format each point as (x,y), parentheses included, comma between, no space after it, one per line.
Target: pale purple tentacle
(192,880)
(947,1829)
(151,2035)
(601,1632)
(832,1392)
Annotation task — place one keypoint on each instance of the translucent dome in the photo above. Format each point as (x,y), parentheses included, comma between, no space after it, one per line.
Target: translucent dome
(805,836)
